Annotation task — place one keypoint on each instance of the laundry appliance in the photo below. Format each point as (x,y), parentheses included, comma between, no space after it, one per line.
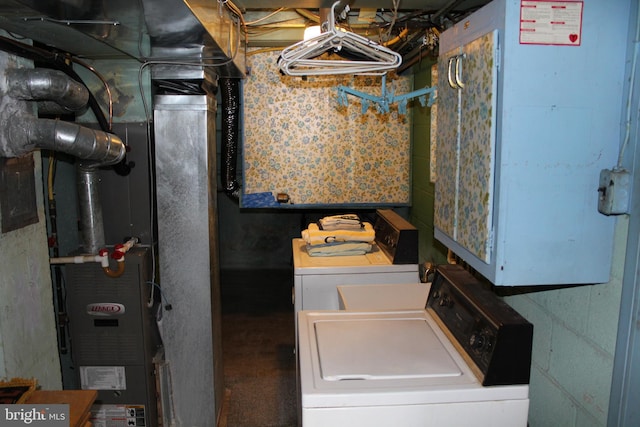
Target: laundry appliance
(393,259)
(464,360)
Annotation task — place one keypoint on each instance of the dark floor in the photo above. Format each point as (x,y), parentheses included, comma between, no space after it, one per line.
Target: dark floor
(258,348)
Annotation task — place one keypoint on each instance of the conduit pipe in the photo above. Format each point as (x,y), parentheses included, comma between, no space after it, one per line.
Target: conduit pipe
(55,91)
(230,122)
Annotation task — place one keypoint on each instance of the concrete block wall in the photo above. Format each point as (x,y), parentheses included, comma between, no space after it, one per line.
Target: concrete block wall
(574,336)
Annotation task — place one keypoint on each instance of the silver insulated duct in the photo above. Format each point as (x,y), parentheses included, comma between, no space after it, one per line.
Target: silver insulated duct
(56,92)
(25,133)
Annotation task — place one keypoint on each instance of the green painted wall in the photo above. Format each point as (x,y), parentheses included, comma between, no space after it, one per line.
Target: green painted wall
(423,190)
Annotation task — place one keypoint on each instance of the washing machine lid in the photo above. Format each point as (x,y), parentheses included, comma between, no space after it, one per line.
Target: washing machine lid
(356,358)
(386,348)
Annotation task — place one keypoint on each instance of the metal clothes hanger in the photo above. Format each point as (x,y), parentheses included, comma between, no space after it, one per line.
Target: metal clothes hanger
(300,59)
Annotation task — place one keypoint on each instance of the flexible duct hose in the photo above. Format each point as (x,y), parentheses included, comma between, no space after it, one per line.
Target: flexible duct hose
(230,122)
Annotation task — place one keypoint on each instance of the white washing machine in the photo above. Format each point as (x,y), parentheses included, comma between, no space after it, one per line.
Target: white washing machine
(463,361)
(315,279)
(394,259)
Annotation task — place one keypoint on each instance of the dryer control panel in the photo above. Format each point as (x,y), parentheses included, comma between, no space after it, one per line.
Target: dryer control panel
(396,236)
(494,336)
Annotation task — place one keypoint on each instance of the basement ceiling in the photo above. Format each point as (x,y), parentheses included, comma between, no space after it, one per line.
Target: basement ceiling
(105,29)
(357,4)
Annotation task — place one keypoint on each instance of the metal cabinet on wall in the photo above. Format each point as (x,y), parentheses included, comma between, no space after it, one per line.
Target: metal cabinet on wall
(521,143)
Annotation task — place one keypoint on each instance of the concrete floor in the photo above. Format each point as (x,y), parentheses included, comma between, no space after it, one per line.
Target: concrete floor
(258,348)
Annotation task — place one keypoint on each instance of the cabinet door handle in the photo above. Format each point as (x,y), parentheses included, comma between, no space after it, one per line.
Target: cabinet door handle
(449,73)
(458,75)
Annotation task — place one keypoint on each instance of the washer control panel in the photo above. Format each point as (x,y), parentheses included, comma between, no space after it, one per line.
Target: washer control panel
(496,337)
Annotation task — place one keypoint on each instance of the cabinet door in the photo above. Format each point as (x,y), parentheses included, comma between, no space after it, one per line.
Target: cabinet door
(477,146)
(466,144)
(448,146)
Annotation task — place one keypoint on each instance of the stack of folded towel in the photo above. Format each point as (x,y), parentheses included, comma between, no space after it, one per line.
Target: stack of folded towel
(339,235)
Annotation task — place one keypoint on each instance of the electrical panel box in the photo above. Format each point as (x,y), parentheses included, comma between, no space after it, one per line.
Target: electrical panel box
(114,339)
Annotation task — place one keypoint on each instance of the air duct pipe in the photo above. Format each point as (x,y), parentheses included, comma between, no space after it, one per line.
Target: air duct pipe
(25,133)
(91,221)
(230,122)
(55,91)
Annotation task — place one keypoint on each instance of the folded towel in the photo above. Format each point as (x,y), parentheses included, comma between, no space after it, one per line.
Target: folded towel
(339,249)
(314,236)
(341,222)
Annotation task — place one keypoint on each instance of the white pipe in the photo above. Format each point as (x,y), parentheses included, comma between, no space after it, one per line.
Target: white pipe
(102,258)
(80,259)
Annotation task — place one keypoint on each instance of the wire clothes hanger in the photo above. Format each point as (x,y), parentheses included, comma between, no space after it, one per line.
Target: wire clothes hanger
(363,56)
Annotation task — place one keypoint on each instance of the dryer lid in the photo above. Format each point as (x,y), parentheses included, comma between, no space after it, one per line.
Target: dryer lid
(370,349)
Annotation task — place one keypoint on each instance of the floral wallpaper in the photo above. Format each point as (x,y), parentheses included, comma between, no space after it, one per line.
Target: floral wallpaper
(300,142)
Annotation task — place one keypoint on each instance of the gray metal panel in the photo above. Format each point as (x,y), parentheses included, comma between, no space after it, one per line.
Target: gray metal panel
(126,200)
(130,340)
(185,150)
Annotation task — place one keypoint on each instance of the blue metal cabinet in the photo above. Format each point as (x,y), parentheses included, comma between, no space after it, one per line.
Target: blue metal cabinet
(523,133)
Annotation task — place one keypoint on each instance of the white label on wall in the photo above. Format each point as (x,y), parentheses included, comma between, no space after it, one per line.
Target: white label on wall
(551,22)
(103,378)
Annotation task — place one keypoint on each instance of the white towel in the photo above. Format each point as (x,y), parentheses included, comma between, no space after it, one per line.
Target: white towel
(314,236)
(339,249)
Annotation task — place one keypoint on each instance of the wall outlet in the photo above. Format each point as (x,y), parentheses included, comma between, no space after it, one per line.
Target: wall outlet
(614,191)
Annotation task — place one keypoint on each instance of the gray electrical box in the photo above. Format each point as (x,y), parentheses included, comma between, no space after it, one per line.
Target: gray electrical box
(615,191)
(114,338)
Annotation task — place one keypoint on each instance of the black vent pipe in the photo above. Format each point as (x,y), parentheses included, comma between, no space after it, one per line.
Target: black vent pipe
(230,92)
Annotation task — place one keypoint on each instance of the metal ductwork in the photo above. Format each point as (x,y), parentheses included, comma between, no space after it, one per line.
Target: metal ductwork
(230,92)
(124,29)
(55,91)
(25,133)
